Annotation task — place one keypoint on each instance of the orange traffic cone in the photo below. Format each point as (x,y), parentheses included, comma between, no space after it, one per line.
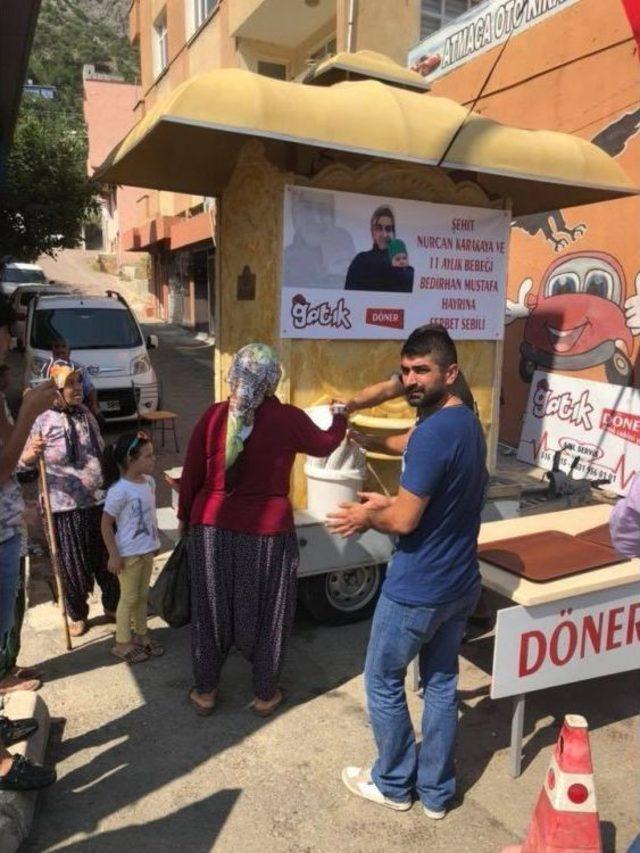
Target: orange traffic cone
(565,819)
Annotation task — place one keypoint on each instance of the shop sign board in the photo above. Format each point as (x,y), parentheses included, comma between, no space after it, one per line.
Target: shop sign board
(364,267)
(482,28)
(586,429)
(574,639)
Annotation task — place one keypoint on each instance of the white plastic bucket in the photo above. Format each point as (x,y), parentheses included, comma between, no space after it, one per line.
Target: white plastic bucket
(321,416)
(326,489)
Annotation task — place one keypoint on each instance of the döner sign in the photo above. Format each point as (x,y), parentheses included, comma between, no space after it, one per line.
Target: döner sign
(571,640)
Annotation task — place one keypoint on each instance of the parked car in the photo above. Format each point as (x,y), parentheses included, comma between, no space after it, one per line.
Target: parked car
(105,337)
(22,296)
(14,274)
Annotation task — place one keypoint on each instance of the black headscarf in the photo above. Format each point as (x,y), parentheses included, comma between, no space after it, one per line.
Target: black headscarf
(74,415)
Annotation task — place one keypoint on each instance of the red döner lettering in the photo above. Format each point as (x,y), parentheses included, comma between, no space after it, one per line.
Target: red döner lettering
(581,637)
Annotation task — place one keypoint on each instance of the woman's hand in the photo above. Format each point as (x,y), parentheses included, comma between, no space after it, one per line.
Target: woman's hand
(115,564)
(366,442)
(34,449)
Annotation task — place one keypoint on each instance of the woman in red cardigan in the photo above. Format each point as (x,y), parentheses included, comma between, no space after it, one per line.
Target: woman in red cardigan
(234,498)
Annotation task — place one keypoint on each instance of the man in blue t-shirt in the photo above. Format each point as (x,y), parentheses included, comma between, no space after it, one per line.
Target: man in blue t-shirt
(432,583)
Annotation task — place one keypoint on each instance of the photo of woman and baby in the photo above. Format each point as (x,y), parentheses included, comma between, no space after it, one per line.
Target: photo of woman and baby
(320,251)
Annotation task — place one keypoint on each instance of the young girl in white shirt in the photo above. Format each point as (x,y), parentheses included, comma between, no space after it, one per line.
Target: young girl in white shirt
(130,532)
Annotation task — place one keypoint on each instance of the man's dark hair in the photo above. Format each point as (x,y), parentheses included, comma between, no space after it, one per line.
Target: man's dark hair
(383,210)
(432,340)
(7,314)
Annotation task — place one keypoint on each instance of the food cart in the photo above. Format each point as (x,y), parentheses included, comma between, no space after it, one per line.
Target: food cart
(256,144)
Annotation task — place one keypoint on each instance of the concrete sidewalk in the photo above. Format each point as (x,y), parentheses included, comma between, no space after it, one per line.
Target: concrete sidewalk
(138,770)
(17,807)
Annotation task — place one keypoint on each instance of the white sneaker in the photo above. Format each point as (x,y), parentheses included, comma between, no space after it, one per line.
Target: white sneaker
(358,781)
(433,814)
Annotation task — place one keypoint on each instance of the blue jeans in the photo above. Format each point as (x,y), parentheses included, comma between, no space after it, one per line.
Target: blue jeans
(399,633)
(9,582)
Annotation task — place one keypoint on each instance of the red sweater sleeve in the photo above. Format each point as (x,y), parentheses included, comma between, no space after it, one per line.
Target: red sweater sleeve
(194,469)
(310,439)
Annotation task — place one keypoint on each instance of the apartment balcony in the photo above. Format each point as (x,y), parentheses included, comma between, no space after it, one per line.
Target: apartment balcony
(273,21)
(142,237)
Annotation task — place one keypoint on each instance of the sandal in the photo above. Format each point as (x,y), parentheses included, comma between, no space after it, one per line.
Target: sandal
(151,647)
(201,710)
(77,629)
(274,703)
(13,731)
(27,673)
(134,655)
(25,776)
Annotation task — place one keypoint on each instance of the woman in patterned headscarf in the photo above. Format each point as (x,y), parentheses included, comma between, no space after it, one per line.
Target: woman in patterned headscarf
(73,449)
(244,552)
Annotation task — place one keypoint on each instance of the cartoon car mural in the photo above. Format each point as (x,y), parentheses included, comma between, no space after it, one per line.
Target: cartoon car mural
(580,318)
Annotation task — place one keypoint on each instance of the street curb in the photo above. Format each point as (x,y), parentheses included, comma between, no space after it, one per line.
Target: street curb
(17,808)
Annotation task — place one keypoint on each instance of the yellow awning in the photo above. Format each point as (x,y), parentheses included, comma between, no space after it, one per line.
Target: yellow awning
(365,64)
(189,141)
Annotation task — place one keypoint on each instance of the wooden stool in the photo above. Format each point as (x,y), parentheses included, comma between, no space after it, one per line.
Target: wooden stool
(163,419)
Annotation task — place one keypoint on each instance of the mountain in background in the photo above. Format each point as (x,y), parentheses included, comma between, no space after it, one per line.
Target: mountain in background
(114,13)
(72,33)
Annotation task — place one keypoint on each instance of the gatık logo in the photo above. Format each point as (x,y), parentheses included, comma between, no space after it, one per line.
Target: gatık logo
(563,406)
(304,314)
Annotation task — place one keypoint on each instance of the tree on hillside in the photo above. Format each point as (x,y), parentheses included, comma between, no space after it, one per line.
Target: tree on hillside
(47,195)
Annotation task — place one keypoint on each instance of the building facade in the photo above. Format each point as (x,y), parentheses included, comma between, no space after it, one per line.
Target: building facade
(573,291)
(108,109)
(178,39)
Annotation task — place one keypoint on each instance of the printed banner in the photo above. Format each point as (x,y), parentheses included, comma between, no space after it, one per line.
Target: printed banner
(574,639)
(588,429)
(480,29)
(361,266)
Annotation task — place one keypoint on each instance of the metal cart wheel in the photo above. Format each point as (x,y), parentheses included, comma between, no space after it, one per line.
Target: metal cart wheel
(339,598)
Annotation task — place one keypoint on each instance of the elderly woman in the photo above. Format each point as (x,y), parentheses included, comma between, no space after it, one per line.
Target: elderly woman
(69,437)
(243,550)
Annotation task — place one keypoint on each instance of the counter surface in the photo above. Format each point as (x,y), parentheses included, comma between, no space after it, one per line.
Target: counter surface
(573,521)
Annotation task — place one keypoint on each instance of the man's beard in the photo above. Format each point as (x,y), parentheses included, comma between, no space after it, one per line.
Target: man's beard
(418,398)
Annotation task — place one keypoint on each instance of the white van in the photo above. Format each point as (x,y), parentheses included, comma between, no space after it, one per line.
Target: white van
(15,274)
(106,339)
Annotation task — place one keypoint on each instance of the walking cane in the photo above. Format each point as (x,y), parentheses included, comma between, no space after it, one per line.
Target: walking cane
(53,546)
